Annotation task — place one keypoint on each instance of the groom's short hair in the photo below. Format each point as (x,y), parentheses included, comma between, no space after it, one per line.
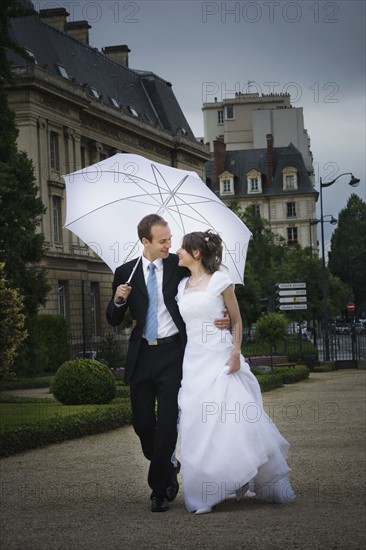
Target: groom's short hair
(145,225)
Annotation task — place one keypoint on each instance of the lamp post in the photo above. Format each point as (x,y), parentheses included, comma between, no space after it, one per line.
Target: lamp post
(332,221)
(353,182)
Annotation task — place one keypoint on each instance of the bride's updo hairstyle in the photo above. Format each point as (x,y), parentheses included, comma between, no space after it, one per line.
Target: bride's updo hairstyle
(209,245)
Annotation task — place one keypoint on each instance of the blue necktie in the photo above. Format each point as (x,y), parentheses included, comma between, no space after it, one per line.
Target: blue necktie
(151,325)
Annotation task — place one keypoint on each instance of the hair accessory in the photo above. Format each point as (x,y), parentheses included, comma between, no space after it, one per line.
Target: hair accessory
(207,239)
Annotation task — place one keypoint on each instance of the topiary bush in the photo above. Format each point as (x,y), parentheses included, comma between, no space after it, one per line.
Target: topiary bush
(84,381)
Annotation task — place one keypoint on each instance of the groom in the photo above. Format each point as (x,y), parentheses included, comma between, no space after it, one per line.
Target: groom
(154,363)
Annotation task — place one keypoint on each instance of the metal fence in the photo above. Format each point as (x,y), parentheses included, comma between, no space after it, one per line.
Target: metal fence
(344,349)
(110,347)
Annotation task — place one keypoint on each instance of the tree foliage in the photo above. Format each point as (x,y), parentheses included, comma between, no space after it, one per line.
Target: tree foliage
(347,257)
(271,261)
(271,328)
(12,332)
(9,9)
(21,244)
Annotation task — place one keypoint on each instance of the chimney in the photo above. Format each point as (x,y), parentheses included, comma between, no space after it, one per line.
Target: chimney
(119,54)
(78,30)
(219,160)
(56,17)
(269,159)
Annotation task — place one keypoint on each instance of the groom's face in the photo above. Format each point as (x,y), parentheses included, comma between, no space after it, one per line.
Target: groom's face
(160,243)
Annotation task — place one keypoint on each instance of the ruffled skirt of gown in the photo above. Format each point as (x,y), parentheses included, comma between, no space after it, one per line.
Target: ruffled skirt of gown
(227,439)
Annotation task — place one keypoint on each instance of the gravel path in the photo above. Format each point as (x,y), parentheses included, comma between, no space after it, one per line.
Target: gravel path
(92,494)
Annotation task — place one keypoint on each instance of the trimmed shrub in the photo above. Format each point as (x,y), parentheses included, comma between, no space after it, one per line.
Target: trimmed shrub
(123,392)
(25,383)
(269,382)
(56,430)
(292,375)
(84,381)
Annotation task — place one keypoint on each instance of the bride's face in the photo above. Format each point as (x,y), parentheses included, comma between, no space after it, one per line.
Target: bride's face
(185,259)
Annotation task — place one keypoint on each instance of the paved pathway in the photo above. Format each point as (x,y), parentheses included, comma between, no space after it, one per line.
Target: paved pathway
(92,494)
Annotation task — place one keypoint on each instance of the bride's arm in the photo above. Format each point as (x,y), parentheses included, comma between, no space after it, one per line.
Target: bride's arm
(232,306)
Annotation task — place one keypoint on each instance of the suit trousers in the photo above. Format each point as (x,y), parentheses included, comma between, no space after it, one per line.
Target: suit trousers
(154,391)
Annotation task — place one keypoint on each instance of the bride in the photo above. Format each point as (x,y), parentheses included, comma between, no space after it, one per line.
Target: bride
(226,438)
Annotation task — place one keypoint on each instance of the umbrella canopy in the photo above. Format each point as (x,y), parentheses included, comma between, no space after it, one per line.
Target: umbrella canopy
(106,201)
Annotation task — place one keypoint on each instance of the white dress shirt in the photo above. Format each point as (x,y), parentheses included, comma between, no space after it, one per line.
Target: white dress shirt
(166,325)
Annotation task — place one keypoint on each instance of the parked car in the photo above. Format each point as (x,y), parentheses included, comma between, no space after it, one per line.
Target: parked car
(344,328)
(360,327)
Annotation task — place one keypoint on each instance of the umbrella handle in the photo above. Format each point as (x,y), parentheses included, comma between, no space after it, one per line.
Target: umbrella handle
(133,271)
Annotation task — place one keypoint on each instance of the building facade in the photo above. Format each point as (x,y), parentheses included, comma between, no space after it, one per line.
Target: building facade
(275,181)
(260,155)
(75,106)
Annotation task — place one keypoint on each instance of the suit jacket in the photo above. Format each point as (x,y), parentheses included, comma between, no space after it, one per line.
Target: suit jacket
(138,301)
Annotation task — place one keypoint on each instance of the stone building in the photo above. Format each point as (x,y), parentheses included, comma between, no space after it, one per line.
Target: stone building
(260,155)
(75,106)
(275,180)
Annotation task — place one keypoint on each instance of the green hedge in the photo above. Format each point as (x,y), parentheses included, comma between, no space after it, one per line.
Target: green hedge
(56,430)
(9,398)
(282,375)
(269,381)
(123,391)
(22,383)
(294,374)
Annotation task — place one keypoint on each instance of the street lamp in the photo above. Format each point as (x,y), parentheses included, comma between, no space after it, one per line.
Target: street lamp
(353,182)
(332,221)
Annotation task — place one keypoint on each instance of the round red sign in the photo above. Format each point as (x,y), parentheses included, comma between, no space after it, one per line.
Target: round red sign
(351,307)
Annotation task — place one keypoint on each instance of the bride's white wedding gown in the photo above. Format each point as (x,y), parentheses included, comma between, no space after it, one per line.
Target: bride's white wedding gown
(226,438)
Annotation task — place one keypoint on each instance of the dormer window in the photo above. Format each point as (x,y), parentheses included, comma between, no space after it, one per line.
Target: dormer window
(31,54)
(63,72)
(95,92)
(114,102)
(289,178)
(254,182)
(133,111)
(226,184)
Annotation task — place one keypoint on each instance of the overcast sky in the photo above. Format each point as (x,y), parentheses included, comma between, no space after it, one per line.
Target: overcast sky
(313,50)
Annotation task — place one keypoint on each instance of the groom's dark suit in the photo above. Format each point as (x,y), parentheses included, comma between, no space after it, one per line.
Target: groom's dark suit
(153,371)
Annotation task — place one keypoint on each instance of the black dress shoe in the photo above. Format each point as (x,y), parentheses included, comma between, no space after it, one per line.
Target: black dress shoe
(172,490)
(159,504)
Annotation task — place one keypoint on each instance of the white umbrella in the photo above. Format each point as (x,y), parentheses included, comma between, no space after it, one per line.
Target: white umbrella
(106,201)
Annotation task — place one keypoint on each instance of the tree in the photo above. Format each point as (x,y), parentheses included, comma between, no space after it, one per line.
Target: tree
(248,296)
(9,9)
(271,328)
(12,332)
(21,244)
(264,252)
(347,257)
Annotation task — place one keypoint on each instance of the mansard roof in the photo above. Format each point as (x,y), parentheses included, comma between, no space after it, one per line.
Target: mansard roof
(149,95)
(240,163)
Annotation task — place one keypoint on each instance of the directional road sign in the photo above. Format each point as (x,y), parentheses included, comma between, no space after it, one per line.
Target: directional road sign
(291,285)
(292,299)
(293,306)
(294,292)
